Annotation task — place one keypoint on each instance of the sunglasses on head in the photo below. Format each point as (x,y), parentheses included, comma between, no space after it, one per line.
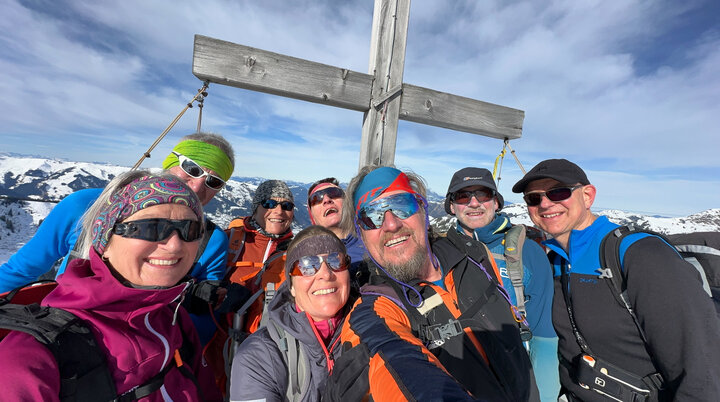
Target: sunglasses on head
(159,229)
(372,215)
(272,204)
(555,195)
(332,192)
(310,264)
(192,169)
(481,195)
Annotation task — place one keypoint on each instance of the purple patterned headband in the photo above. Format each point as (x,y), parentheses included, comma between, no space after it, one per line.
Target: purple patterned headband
(141,193)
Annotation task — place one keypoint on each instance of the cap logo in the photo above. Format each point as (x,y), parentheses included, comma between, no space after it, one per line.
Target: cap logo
(466,178)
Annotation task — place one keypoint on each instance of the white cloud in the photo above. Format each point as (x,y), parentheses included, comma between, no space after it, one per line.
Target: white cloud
(107,77)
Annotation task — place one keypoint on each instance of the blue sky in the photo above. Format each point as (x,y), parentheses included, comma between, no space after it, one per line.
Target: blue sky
(629,90)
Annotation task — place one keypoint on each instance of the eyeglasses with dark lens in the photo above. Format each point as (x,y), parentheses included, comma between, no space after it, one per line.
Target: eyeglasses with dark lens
(555,195)
(309,265)
(402,205)
(481,195)
(332,192)
(159,229)
(192,169)
(272,204)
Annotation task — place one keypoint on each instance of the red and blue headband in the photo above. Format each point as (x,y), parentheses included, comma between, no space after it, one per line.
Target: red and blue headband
(379,181)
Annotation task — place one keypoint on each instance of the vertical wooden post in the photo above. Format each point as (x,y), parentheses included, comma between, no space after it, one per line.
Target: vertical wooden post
(387,62)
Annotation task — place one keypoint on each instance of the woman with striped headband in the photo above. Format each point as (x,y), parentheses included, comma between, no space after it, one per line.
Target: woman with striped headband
(140,240)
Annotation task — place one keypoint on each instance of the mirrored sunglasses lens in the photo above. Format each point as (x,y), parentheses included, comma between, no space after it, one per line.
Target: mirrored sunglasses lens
(366,223)
(559,194)
(159,229)
(214,182)
(533,199)
(334,261)
(482,195)
(309,265)
(331,192)
(192,168)
(287,206)
(462,197)
(269,204)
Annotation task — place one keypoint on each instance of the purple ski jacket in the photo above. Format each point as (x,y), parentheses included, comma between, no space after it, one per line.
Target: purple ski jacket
(134,327)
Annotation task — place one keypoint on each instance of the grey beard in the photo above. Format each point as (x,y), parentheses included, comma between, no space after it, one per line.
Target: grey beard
(410,269)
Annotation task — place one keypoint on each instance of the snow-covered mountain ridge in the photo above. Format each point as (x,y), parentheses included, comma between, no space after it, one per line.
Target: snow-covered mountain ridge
(31,185)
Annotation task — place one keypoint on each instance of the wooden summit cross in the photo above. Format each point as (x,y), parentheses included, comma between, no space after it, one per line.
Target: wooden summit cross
(381,95)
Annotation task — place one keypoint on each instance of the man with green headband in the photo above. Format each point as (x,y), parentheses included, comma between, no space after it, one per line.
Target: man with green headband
(203,161)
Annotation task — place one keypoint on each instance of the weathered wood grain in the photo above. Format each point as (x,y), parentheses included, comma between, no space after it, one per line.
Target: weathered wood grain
(427,106)
(240,66)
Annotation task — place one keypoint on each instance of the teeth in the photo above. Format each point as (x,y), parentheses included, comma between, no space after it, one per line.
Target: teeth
(324,291)
(163,262)
(330,211)
(551,215)
(276,220)
(396,241)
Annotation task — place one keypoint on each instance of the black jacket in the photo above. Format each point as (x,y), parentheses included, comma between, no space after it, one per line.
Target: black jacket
(676,315)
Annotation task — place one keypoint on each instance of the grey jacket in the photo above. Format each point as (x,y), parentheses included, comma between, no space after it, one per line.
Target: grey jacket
(259,370)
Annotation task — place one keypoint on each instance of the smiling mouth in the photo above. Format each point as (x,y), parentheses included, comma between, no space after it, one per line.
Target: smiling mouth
(321,292)
(330,211)
(162,262)
(396,241)
(550,215)
(273,220)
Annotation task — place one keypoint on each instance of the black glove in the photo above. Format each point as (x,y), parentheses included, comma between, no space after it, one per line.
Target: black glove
(236,296)
(349,379)
(200,295)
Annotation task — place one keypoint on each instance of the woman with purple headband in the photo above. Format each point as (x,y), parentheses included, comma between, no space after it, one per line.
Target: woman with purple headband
(292,356)
(139,240)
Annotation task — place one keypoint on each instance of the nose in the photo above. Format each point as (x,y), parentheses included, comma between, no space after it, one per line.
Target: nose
(326,199)
(325,272)
(174,242)
(546,202)
(391,223)
(196,184)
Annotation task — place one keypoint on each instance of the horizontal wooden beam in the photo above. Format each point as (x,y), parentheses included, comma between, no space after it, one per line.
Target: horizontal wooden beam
(240,66)
(440,109)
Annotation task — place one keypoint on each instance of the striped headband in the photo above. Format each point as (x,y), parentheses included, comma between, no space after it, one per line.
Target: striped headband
(141,193)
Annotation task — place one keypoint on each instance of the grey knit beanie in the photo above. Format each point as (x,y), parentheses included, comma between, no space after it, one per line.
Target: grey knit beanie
(271,189)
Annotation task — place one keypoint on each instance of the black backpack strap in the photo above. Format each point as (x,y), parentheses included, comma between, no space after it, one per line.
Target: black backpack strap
(564,284)
(612,269)
(84,374)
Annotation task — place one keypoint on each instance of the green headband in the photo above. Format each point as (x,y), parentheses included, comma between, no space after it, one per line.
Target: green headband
(206,155)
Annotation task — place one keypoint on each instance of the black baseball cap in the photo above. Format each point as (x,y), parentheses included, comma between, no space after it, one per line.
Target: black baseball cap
(471,176)
(561,170)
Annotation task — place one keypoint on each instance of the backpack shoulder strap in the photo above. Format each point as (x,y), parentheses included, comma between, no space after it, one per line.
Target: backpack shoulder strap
(84,374)
(236,241)
(294,358)
(513,242)
(612,269)
(269,295)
